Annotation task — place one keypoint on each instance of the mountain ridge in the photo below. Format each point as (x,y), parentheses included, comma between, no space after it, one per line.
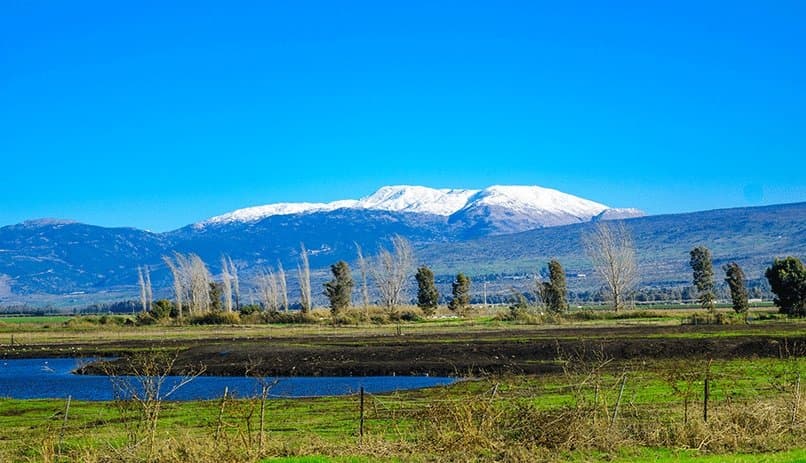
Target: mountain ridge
(519,199)
(62,257)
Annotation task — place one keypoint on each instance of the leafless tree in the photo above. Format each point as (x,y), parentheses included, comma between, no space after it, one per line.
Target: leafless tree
(149,289)
(391,269)
(141,282)
(141,383)
(200,280)
(236,285)
(282,286)
(266,284)
(146,293)
(362,268)
(304,272)
(191,281)
(226,284)
(178,282)
(612,253)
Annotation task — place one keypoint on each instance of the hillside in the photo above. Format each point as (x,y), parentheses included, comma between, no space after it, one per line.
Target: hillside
(750,236)
(82,263)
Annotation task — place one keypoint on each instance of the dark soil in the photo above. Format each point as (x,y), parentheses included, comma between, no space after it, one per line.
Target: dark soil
(447,354)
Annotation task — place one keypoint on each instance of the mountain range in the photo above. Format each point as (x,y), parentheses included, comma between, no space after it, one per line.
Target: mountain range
(497,229)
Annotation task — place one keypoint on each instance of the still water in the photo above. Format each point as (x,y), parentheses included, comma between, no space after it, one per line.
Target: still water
(53,379)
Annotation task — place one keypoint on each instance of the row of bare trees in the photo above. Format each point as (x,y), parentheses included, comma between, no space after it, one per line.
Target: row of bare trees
(608,245)
(192,280)
(272,288)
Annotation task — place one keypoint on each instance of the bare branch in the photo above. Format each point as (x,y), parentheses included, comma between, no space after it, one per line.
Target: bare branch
(304,272)
(612,253)
(390,271)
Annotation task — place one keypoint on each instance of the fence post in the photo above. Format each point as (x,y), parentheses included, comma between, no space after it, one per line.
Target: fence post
(706,395)
(264,392)
(618,401)
(361,418)
(796,405)
(221,413)
(595,403)
(64,423)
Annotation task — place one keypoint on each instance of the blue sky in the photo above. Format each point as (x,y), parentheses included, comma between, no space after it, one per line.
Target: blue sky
(154,116)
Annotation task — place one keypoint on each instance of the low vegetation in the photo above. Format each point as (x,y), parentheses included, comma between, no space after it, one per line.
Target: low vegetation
(594,409)
(544,379)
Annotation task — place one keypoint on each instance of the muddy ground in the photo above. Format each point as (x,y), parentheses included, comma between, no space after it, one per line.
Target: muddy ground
(448,353)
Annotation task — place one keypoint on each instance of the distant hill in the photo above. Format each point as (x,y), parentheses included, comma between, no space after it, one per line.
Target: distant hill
(751,236)
(90,263)
(62,257)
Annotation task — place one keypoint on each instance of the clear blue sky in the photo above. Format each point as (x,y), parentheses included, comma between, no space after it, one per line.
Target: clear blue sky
(154,116)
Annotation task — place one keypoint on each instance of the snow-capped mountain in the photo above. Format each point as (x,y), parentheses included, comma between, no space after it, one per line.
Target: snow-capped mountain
(402,198)
(509,209)
(417,199)
(56,255)
(521,207)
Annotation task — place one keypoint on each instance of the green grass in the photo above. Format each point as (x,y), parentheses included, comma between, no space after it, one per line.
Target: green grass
(328,426)
(321,459)
(397,419)
(36,320)
(648,456)
(692,456)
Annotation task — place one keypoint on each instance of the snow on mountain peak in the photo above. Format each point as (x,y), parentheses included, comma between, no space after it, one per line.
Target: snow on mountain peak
(408,198)
(527,199)
(444,202)
(253,214)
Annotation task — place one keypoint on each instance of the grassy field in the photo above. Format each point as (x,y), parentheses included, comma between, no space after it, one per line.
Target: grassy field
(36,320)
(511,418)
(592,407)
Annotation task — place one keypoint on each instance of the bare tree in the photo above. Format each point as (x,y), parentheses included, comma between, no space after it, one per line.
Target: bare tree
(612,253)
(146,293)
(226,284)
(362,268)
(191,281)
(141,383)
(179,289)
(304,272)
(142,284)
(200,280)
(267,290)
(391,269)
(282,286)
(149,289)
(236,285)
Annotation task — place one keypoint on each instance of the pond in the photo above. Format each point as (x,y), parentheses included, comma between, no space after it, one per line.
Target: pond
(53,379)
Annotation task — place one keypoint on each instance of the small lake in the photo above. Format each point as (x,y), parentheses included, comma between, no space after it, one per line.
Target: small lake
(53,379)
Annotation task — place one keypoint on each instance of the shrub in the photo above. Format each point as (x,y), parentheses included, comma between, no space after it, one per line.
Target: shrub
(718,318)
(294,316)
(144,319)
(249,309)
(162,309)
(406,315)
(216,318)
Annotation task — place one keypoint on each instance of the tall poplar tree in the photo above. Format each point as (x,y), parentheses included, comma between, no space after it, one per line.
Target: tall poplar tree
(734,277)
(339,290)
(461,294)
(427,294)
(703,273)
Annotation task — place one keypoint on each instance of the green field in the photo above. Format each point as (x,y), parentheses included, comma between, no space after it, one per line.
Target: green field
(756,405)
(36,320)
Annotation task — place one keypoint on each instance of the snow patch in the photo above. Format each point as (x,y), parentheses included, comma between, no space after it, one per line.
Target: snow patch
(535,199)
(531,200)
